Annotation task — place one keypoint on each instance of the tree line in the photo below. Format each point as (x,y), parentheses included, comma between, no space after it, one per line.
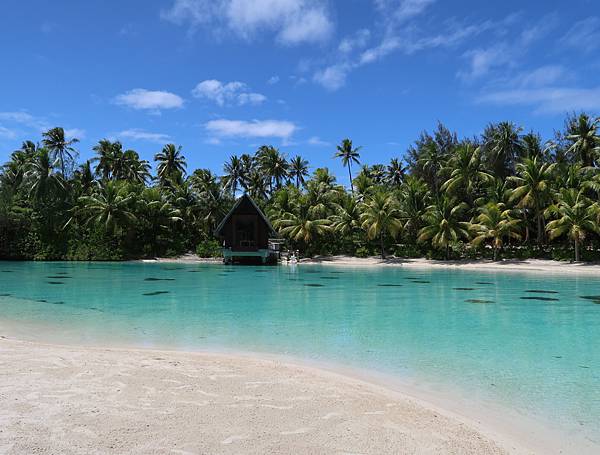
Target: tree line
(505,193)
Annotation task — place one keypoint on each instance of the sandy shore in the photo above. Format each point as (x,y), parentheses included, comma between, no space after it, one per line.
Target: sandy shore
(514,265)
(60,399)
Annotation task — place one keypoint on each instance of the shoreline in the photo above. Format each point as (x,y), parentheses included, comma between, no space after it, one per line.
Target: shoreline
(490,429)
(510,265)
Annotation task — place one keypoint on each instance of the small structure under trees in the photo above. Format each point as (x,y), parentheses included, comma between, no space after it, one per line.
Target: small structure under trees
(246,233)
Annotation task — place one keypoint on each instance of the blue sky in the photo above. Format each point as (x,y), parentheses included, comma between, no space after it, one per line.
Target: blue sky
(222,77)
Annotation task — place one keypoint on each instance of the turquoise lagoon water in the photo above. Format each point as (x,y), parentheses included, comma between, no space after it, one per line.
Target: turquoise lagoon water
(527,341)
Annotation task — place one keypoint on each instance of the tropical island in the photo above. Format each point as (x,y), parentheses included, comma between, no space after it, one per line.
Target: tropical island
(505,194)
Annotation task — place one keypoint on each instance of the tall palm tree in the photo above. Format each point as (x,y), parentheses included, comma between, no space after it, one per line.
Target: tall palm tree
(466,172)
(234,174)
(395,172)
(583,132)
(133,169)
(298,170)
(110,208)
(432,161)
(380,217)
(302,226)
(503,145)
(106,155)
(171,164)
(414,200)
(577,217)
(60,148)
(495,223)
(43,180)
(273,165)
(443,224)
(346,220)
(533,182)
(348,155)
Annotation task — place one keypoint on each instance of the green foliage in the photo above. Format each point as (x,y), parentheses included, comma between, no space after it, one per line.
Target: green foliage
(209,249)
(504,194)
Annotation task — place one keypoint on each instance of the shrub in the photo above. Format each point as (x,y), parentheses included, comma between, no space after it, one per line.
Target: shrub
(209,249)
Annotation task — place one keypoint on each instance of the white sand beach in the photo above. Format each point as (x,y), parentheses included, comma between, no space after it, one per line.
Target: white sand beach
(60,399)
(509,265)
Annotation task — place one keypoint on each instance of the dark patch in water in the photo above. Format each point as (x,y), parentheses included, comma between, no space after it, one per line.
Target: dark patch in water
(314,285)
(311,271)
(421,281)
(485,283)
(412,278)
(42,301)
(159,279)
(558,356)
(5,295)
(389,285)
(543,299)
(156,293)
(478,301)
(7,271)
(55,282)
(330,278)
(337,271)
(59,277)
(540,291)
(58,303)
(464,289)
(194,271)
(583,366)
(593,298)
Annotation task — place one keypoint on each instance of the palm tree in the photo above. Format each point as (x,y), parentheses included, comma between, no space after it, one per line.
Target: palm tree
(85,177)
(533,182)
(302,226)
(171,164)
(582,131)
(443,224)
(298,170)
(432,161)
(503,145)
(347,217)
(273,165)
(349,155)
(495,223)
(234,174)
(414,200)
(466,171)
(133,169)
(60,148)
(109,208)
(577,217)
(381,216)
(43,181)
(395,172)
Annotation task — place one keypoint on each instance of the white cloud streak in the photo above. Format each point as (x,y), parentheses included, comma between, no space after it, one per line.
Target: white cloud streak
(151,100)
(223,93)
(142,135)
(292,21)
(251,129)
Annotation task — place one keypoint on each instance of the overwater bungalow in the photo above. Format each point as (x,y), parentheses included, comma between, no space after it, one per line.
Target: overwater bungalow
(247,234)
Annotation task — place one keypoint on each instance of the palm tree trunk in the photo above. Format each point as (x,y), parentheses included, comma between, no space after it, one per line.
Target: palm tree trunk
(539,226)
(577,254)
(495,253)
(447,251)
(381,244)
(351,184)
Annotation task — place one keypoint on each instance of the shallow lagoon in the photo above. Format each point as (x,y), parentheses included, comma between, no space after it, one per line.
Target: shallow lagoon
(526,341)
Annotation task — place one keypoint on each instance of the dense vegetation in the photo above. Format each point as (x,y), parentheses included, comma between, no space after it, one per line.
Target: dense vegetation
(505,193)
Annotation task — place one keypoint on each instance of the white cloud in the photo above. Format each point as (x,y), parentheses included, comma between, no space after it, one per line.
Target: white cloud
(316,141)
(584,35)
(25,118)
(227,93)
(292,21)
(273,80)
(402,10)
(481,61)
(153,100)
(255,128)
(142,135)
(333,77)
(542,76)
(546,100)
(74,133)
(6,133)
(356,41)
